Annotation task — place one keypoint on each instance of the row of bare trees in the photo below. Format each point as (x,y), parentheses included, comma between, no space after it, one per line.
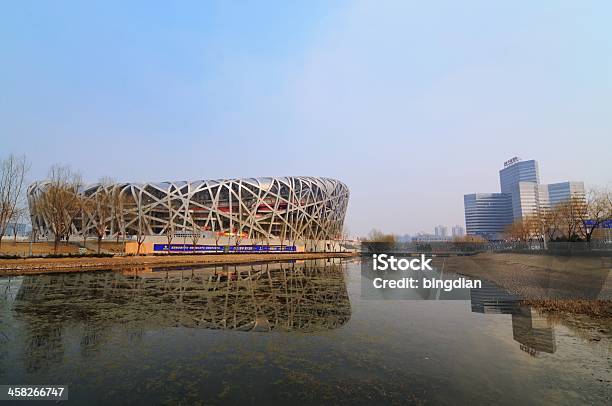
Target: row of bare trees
(63,204)
(376,235)
(574,220)
(60,205)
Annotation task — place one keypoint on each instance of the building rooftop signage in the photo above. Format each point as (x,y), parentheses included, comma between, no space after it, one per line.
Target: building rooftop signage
(511,161)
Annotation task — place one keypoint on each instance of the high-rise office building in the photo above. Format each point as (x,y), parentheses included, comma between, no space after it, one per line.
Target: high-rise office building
(525,199)
(487,214)
(520,180)
(516,171)
(562,192)
(522,195)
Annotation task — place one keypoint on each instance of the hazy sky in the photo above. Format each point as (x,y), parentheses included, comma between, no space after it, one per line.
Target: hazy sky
(411,104)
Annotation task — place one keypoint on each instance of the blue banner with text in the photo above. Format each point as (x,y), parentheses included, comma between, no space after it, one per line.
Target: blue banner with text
(222,248)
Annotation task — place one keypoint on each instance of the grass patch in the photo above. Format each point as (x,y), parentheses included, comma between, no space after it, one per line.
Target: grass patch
(591,307)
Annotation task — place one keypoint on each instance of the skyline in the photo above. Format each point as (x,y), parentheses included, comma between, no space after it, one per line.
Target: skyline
(217,90)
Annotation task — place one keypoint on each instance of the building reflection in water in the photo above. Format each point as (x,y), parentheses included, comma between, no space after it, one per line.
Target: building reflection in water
(305,296)
(530,329)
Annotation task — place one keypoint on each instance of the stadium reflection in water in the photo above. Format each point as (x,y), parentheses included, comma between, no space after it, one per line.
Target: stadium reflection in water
(304,297)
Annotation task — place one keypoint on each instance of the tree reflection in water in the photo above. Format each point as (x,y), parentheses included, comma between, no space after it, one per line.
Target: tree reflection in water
(304,297)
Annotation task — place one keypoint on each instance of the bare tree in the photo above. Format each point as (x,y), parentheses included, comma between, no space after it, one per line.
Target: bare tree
(116,202)
(570,214)
(102,210)
(597,210)
(378,236)
(551,223)
(142,230)
(169,235)
(524,229)
(533,227)
(61,202)
(20,214)
(13,171)
(120,203)
(516,230)
(74,203)
(196,232)
(87,206)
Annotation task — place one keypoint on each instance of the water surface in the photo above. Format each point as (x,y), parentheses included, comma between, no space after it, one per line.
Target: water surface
(296,331)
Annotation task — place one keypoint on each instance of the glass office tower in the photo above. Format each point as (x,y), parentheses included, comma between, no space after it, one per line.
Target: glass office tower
(521,171)
(522,196)
(487,214)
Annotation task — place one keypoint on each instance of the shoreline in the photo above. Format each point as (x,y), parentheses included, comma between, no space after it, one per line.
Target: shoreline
(533,277)
(527,276)
(33,266)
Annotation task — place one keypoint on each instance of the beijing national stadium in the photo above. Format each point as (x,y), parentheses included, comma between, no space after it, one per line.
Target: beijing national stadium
(281,210)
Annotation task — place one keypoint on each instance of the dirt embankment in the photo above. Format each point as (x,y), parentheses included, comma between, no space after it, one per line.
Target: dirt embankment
(25,248)
(575,285)
(50,265)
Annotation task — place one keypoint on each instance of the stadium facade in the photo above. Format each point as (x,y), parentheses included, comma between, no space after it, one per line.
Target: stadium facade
(284,209)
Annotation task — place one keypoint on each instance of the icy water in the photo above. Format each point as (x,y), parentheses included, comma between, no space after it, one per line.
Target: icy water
(285,332)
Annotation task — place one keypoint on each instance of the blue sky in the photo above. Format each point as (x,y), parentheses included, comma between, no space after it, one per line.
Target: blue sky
(412,104)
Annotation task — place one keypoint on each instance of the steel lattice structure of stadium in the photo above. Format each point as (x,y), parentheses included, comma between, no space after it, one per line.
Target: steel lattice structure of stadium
(287,208)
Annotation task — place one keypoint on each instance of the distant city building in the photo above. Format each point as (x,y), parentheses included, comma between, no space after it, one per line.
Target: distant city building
(441,231)
(489,214)
(425,237)
(458,231)
(404,238)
